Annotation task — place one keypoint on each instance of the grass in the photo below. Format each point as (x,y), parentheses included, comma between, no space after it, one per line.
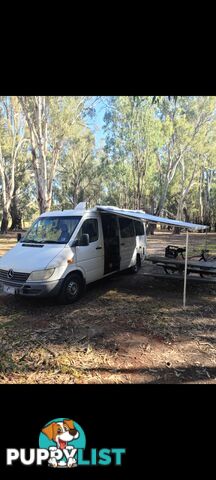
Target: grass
(7,242)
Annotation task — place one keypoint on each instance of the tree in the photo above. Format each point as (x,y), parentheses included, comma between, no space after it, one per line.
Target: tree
(23,204)
(117,182)
(161,155)
(158,99)
(133,132)
(78,176)
(183,124)
(50,120)
(12,138)
(206,186)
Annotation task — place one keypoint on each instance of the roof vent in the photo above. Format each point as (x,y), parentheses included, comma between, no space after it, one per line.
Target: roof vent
(81,206)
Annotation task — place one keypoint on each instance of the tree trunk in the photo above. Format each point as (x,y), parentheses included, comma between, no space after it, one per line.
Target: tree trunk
(44,203)
(162,199)
(75,196)
(151,228)
(185,212)
(201,197)
(44,199)
(5,220)
(15,214)
(177,230)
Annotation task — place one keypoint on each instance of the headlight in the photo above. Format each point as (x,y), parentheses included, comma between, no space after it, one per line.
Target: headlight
(41,275)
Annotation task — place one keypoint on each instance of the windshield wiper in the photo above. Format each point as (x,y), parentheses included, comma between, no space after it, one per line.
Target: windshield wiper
(29,241)
(42,241)
(50,241)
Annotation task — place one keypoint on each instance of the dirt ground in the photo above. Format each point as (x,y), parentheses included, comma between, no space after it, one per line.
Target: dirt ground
(125,329)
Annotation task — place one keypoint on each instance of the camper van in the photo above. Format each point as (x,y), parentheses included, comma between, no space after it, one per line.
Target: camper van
(65,250)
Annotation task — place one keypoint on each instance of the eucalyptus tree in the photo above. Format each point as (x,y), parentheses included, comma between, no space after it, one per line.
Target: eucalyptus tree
(184,125)
(12,140)
(133,133)
(50,121)
(78,174)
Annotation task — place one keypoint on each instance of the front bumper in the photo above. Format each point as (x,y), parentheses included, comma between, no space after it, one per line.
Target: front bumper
(33,289)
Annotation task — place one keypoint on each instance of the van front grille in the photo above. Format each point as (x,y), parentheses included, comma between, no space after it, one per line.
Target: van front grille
(12,276)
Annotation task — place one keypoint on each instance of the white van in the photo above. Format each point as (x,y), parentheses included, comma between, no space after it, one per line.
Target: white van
(65,250)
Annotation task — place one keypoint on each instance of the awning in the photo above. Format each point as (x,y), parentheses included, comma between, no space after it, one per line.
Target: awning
(145,217)
(141,215)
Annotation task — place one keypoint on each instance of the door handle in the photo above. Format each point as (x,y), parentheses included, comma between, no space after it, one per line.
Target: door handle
(98,248)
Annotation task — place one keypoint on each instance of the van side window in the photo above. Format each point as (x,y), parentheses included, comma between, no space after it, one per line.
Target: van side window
(139,228)
(126,227)
(90,226)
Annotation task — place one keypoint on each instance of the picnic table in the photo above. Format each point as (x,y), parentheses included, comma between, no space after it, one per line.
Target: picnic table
(173,265)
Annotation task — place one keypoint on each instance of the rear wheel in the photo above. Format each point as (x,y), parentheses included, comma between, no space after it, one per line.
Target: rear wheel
(136,267)
(72,288)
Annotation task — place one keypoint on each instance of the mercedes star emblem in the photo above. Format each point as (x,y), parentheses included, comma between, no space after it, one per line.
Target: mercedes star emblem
(10,273)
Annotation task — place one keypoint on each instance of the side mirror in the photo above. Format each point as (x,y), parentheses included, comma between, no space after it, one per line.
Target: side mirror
(84,240)
(75,243)
(19,236)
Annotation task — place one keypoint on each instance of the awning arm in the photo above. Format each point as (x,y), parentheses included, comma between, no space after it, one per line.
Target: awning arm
(185,272)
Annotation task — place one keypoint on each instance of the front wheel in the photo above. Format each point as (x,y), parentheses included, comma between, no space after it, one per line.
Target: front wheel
(72,289)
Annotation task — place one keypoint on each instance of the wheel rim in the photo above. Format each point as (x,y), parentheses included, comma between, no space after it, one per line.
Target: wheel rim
(72,289)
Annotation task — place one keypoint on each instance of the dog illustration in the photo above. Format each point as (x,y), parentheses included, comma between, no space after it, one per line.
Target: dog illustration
(61,433)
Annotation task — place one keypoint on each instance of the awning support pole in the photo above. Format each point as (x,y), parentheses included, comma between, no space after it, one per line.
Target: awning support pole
(185,272)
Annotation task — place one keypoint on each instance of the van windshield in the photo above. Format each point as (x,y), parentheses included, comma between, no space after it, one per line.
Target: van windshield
(52,230)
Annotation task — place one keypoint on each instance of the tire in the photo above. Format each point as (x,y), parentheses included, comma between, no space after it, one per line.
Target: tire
(72,289)
(169,271)
(136,267)
(173,271)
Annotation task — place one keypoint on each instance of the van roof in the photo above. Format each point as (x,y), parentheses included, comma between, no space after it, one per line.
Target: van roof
(67,213)
(80,209)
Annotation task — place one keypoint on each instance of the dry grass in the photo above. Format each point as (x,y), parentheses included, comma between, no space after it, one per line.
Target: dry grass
(7,242)
(125,329)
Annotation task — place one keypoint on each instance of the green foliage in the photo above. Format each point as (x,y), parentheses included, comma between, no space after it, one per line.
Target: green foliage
(159,154)
(78,174)
(168,145)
